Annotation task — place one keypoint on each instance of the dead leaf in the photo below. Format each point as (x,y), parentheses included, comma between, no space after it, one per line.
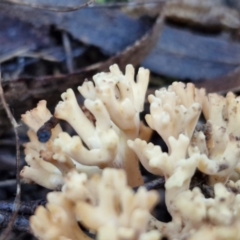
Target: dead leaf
(23,94)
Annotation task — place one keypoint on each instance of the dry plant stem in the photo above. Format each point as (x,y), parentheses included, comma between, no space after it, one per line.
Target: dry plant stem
(129,4)
(16,53)
(68,52)
(48,7)
(18,188)
(88,4)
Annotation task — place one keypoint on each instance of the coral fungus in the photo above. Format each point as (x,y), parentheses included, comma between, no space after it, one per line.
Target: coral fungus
(105,205)
(97,168)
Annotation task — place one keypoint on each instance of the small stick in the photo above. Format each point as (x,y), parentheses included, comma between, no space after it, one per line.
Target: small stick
(17,200)
(48,7)
(68,52)
(130,4)
(15,53)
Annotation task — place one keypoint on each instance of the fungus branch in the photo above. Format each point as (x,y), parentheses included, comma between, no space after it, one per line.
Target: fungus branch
(105,205)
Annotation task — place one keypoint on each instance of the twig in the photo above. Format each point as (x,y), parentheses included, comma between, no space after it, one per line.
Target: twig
(48,7)
(15,53)
(18,187)
(88,4)
(129,4)
(68,52)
